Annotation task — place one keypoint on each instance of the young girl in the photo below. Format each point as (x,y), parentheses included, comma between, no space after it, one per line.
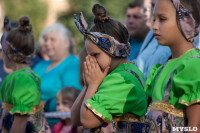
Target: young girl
(65,98)
(113,90)
(175,86)
(22,110)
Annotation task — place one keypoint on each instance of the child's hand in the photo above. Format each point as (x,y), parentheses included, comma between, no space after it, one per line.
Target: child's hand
(93,73)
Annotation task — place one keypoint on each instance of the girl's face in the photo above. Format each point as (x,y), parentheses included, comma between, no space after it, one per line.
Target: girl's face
(165,26)
(103,59)
(63,105)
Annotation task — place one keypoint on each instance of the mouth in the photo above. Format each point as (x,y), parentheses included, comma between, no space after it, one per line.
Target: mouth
(132,28)
(157,36)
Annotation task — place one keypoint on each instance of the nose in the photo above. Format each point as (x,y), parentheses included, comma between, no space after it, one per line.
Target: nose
(131,20)
(155,25)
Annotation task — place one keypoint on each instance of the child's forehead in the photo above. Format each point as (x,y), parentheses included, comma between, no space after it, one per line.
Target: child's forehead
(163,7)
(91,47)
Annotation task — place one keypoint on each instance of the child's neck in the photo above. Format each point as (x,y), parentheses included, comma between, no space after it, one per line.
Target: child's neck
(179,50)
(18,66)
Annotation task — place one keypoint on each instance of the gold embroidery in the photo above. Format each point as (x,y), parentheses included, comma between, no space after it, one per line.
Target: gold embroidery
(126,117)
(96,113)
(129,62)
(35,109)
(130,118)
(168,108)
(188,104)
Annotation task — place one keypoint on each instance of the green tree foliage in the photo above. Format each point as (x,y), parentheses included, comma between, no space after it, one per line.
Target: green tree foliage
(34,9)
(115,9)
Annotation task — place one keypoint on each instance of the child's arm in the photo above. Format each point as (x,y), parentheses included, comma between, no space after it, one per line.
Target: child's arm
(193,116)
(94,77)
(19,124)
(76,107)
(88,118)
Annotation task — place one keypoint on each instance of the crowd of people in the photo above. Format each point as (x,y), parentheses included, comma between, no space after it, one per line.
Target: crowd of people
(139,77)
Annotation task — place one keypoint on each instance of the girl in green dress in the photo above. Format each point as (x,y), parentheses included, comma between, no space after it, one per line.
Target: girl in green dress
(22,110)
(113,88)
(175,86)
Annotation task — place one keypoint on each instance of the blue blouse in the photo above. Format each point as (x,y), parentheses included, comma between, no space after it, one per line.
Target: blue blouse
(65,74)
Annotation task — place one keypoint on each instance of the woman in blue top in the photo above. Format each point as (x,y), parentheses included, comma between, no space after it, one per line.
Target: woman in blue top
(63,68)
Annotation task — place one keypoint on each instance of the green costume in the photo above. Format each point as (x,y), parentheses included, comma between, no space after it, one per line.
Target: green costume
(173,87)
(20,94)
(119,94)
(185,87)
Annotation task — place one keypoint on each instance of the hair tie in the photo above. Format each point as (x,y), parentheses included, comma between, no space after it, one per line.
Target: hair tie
(186,23)
(106,42)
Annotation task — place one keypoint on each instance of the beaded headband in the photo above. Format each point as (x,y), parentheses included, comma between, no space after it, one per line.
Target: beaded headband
(186,23)
(104,41)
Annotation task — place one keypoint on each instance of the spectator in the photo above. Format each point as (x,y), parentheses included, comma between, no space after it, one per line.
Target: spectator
(136,25)
(64,99)
(62,70)
(40,53)
(151,53)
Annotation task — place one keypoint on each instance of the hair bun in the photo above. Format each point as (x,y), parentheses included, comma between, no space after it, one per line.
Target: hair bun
(24,24)
(100,14)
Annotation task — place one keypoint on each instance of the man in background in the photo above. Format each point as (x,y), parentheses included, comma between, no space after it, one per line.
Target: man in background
(151,53)
(136,25)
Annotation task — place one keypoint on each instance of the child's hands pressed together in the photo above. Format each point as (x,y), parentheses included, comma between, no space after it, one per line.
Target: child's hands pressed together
(93,73)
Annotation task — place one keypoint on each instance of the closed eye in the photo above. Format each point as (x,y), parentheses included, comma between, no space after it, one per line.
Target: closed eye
(95,54)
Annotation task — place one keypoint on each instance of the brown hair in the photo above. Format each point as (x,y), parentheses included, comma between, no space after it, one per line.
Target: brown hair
(107,25)
(112,27)
(82,57)
(68,93)
(136,3)
(193,7)
(22,38)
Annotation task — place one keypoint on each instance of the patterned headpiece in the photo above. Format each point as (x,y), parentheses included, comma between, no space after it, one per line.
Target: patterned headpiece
(104,41)
(186,23)
(7,47)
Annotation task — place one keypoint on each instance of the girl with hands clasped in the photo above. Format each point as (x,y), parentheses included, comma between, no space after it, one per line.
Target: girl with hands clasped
(93,73)
(113,92)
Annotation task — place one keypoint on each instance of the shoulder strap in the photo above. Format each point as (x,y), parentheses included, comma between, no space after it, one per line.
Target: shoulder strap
(35,77)
(161,68)
(195,56)
(4,95)
(168,88)
(136,75)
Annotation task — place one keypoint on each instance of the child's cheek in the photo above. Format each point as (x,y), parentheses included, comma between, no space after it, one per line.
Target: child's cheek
(58,108)
(66,109)
(99,62)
